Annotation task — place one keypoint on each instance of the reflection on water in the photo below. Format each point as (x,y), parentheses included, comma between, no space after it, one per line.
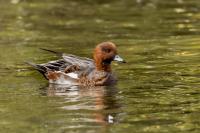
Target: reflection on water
(95,99)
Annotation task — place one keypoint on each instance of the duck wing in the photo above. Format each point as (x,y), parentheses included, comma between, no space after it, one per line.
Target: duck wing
(82,62)
(70,59)
(71,65)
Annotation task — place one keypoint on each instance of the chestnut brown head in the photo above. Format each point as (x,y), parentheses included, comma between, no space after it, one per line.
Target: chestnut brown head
(104,54)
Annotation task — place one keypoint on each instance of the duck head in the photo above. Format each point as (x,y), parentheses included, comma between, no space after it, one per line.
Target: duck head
(104,54)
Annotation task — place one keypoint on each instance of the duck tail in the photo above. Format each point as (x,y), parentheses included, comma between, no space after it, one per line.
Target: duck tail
(40,68)
(55,52)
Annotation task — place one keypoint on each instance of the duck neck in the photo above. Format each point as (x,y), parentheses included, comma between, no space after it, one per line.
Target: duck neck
(101,66)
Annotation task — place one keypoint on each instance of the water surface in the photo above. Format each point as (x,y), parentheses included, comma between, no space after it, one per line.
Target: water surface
(158,89)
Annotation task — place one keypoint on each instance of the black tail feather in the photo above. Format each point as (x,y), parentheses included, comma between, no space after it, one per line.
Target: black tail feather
(57,53)
(39,68)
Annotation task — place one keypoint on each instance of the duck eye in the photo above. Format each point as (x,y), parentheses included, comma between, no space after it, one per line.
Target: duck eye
(106,50)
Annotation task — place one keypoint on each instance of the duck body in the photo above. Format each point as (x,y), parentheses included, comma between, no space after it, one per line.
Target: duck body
(75,70)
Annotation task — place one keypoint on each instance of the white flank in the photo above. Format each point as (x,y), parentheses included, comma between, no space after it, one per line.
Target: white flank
(72,75)
(67,79)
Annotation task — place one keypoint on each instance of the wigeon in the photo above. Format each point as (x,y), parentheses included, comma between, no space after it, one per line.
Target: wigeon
(75,70)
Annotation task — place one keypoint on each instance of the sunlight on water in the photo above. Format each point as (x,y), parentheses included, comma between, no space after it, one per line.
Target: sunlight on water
(157,91)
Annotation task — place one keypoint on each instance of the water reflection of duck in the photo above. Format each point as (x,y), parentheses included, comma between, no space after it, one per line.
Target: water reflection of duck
(74,70)
(101,100)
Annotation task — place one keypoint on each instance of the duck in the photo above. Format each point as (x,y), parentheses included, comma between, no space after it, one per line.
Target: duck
(74,70)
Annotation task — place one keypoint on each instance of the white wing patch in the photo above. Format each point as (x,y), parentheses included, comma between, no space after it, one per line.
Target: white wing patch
(72,75)
(65,78)
(68,79)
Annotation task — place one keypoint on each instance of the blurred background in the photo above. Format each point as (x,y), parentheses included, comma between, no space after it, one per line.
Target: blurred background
(157,91)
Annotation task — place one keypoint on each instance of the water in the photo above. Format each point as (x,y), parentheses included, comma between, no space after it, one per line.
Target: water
(158,89)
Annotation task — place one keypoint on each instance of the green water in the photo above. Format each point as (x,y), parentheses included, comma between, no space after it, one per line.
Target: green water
(157,91)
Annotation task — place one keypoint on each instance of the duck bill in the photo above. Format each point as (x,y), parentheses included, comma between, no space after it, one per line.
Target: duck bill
(119,59)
